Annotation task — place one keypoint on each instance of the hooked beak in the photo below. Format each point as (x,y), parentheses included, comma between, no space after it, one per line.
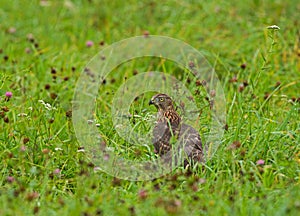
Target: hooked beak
(151,102)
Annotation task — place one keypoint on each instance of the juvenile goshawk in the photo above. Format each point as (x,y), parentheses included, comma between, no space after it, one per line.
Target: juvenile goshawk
(169,126)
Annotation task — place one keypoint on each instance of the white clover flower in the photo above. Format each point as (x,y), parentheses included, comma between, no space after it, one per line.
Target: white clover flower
(22,115)
(90,121)
(47,105)
(273,27)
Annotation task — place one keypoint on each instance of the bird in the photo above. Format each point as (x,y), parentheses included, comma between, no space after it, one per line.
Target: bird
(169,126)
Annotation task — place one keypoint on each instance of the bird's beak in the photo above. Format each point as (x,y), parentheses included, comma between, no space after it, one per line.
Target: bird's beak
(151,102)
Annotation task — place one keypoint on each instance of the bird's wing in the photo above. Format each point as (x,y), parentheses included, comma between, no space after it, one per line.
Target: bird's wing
(161,138)
(191,142)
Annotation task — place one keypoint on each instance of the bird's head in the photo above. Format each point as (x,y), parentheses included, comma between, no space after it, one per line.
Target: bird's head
(162,102)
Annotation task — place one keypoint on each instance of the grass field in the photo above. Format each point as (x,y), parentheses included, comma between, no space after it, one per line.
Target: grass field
(44,47)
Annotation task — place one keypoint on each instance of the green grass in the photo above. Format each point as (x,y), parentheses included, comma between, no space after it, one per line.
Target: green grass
(263,117)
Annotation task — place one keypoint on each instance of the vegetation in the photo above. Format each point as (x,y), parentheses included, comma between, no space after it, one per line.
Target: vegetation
(46,45)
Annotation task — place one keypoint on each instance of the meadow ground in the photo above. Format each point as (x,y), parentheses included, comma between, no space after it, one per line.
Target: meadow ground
(44,47)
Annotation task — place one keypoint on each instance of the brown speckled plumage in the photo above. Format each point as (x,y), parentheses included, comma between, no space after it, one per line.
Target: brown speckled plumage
(169,125)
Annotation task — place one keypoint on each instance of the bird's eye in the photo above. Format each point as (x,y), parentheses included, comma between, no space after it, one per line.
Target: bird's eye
(161,99)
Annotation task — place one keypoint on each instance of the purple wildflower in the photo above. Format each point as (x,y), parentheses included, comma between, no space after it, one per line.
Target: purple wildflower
(260,162)
(89,43)
(56,171)
(9,94)
(142,194)
(22,148)
(10,179)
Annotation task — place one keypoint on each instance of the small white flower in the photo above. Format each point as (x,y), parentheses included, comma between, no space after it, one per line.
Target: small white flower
(110,148)
(22,115)
(119,126)
(47,105)
(58,149)
(89,121)
(97,169)
(273,27)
